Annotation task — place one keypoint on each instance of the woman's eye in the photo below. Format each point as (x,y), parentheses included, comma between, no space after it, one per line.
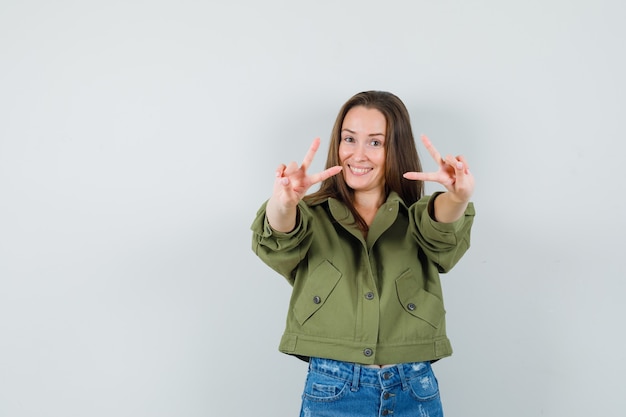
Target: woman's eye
(348,139)
(376,143)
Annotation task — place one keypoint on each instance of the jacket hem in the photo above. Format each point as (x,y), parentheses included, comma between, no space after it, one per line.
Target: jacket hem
(304,347)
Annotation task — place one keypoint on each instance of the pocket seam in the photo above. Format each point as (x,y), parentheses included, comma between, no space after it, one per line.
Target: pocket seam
(418,302)
(317,288)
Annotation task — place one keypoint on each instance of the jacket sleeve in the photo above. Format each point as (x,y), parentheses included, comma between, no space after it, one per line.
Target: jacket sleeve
(443,243)
(282,251)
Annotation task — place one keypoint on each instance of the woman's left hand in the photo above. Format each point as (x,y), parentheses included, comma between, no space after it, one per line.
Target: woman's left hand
(453,174)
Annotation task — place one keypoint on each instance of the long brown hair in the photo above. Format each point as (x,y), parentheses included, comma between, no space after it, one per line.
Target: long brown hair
(400,153)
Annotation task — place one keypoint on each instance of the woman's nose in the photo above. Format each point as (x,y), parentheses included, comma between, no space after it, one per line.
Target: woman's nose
(360,152)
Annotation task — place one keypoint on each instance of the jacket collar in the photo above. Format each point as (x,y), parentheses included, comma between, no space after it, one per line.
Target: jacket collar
(388,213)
(342,214)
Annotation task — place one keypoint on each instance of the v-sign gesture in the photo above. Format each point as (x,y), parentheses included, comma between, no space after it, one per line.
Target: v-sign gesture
(291,184)
(453,173)
(455,176)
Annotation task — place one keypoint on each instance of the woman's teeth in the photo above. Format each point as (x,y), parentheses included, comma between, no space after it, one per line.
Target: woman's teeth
(360,170)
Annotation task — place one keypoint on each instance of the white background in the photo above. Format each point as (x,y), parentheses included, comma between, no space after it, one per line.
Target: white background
(138,139)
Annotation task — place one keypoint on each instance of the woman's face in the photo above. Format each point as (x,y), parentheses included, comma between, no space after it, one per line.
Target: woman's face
(362,149)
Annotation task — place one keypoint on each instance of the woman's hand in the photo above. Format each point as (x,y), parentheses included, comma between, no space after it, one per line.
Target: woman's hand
(291,184)
(455,176)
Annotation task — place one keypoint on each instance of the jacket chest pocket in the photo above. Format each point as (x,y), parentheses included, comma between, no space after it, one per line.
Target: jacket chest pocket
(419,302)
(317,288)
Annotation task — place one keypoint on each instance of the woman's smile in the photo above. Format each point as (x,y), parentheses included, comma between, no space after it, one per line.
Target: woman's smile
(359,171)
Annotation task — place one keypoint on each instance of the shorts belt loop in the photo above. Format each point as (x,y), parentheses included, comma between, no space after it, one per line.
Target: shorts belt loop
(403,379)
(356,375)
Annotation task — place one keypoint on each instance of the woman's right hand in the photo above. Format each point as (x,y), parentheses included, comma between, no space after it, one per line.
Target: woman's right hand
(291,184)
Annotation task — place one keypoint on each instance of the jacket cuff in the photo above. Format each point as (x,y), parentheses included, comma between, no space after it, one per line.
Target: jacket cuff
(264,235)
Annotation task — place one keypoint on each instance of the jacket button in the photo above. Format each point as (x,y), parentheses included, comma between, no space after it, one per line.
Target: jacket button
(368,352)
(369,295)
(411,306)
(317,299)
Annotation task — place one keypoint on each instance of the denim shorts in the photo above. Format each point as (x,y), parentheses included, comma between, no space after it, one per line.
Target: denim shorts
(343,389)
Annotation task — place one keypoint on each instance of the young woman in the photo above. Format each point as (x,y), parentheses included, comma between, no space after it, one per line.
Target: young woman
(363,255)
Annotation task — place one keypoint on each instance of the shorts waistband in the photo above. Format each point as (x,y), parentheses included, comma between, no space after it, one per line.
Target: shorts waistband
(359,374)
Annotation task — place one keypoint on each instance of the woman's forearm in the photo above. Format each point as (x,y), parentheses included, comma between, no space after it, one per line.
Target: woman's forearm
(282,219)
(447,209)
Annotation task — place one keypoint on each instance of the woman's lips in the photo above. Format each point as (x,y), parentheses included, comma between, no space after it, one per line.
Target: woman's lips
(359,171)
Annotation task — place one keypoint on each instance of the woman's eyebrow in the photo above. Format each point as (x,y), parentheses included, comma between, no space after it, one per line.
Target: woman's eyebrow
(353,132)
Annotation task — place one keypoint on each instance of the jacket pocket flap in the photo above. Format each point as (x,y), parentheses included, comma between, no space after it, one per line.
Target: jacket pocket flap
(318,287)
(418,302)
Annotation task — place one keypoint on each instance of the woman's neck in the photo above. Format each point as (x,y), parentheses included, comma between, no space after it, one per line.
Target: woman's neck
(367,204)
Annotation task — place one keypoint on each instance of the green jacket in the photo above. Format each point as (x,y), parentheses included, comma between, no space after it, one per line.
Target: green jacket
(371,301)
